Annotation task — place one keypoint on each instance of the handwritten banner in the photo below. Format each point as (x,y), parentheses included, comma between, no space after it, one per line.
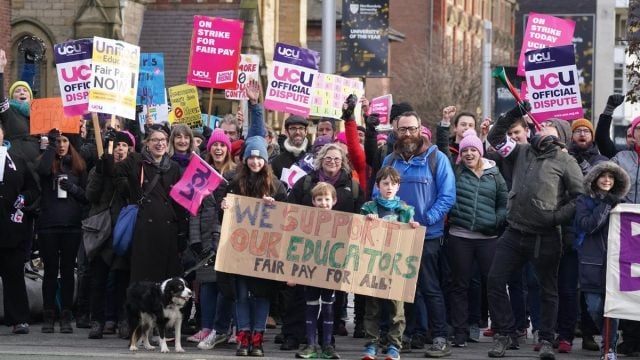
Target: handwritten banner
(553,87)
(198,181)
(318,247)
(544,31)
(73,65)
(247,70)
(215,52)
(329,93)
(291,78)
(114,77)
(151,80)
(47,114)
(185,105)
(623,263)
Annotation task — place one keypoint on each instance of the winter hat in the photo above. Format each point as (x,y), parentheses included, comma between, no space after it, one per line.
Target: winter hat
(295,120)
(218,135)
(341,137)
(255,146)
(471,139)
(582,122)
(74,139)
(20,83)
(125,137)
(564,130)
(398,109)
(381,137)
(199,135)
(634,123)
(320,142)
(425,131)
(236,147)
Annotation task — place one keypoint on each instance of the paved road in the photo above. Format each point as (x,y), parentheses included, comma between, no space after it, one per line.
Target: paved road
(76,346)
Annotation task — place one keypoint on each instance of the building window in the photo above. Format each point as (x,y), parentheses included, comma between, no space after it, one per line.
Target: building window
(618,78)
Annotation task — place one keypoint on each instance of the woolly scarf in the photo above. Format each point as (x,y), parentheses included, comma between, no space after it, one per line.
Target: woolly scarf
(163,165)
(182,159)
(329,179)
(390,204)
(21,107)
(294,149)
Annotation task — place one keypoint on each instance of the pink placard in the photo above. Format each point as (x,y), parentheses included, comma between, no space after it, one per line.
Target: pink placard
(198,181)
(382,106)
(544,31)
(215,52)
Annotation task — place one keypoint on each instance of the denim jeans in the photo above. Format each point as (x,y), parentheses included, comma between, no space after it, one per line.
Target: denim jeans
(515,249)
(567,295)
(595,306)
(533,296)
(215,308)
(251,311)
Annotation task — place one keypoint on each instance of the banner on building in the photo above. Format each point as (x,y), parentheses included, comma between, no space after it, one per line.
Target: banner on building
(544,31)
(553,87)
(247,70)
(318,247)
(365,33)
(151,80)
(47,114)
(215,52)
(291,78)
(185,105)
(330,92)
(623,263)
(198,181)
(114,77)
(73,65)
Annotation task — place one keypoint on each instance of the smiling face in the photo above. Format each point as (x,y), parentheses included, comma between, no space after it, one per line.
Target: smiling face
(605,181)
(388,188)
(296,134)
(182,143)
(332,162)
(324,201)
(62,143)
(21,94)
(471,157)
(255,163)
(517,133)
(218,152)
(157,144)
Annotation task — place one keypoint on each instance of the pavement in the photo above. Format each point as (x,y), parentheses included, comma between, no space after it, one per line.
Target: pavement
(76,346)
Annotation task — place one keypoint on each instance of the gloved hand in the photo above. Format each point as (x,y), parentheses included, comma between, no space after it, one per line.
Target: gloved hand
(610,199)
(53,136)
(519,110)
(109,135)
(104,165)
(612,103)
(348,107)
(372,121)
(69,186)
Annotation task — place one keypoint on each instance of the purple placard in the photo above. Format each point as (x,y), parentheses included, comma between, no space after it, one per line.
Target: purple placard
(296,56)
(629,251)
(550,57)
(73,64)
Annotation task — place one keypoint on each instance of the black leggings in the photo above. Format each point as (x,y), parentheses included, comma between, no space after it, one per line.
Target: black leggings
(58,252)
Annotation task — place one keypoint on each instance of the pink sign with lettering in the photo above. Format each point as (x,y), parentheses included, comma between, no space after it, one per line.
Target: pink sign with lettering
(544,31)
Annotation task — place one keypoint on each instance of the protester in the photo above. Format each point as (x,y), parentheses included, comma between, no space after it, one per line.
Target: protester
(181,145)
(603,138)
(582,145)
(388,207)
(462,121)
(18,188)
(432,196)
(254,178)
(229,124)
(295,146)
(326,127)
(63,176)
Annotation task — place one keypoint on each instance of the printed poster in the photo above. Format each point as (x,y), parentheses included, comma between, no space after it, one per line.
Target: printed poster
(330,92)
(247,70)
(382,106)
(73,65)
(185,105)
(544,31)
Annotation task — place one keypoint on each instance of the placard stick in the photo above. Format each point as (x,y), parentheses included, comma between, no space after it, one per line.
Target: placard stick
(112,123)
(96,131)
(210,105)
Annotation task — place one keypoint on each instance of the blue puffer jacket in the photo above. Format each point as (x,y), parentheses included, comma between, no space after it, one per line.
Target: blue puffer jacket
(431,196)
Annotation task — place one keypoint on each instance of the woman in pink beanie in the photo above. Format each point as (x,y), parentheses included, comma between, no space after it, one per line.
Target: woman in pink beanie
(219,152)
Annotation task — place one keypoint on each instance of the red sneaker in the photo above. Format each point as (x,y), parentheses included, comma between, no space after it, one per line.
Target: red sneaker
(564,346)
(488,333)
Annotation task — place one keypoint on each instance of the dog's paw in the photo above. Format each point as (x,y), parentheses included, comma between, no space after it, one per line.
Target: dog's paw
(179,349)
(133,348)
(149,347)
(164,349)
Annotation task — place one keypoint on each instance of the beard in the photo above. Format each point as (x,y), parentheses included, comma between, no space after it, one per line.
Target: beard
(408,144)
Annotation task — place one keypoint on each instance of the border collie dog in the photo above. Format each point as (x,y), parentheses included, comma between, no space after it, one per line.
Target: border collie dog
(151,304)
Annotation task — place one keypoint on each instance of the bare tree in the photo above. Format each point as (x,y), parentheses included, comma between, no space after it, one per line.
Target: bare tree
(633,37)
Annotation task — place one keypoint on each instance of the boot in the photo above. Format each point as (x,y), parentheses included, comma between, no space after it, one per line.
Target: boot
(65,322)
(96,331)
(243,343)
(48,319)
(256,344)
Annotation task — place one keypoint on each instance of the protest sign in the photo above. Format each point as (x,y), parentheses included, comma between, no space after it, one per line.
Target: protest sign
(365,33)
(623,263)
(329,93)
(47,114)
(382,106)
(291,175)
(73,65)
(198,181)
(544,31)
(553,87)
(247,70)
(291,78)
(185,104)
(319,247)
(114,77)
(151,80)
(215,52)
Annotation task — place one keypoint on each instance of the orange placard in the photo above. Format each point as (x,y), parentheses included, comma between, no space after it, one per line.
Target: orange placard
(47,114)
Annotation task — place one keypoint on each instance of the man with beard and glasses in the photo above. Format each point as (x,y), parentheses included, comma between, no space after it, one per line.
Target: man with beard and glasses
(546,181)
(582,146)
(432,194)
(295,146)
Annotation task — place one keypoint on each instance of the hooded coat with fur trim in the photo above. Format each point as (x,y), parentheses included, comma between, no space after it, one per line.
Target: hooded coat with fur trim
(592,224)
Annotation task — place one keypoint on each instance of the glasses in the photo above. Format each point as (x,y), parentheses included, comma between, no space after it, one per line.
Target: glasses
(229,133)
(329,159)
(581,131)
(158,141)
(408,129)
(297,128)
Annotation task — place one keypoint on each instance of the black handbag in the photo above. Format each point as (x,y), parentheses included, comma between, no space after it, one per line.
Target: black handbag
(96,229)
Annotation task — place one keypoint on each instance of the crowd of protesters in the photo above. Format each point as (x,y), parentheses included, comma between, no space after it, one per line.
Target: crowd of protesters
(516,219)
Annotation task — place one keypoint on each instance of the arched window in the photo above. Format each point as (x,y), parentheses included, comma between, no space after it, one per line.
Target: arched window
(44,78)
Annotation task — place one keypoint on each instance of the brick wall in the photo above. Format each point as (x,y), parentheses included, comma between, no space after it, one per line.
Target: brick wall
(5,35)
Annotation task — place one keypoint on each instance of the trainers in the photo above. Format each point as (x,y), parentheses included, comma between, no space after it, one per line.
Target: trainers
(256,344)
(474,333)
(589,343)
(460,340)
(564,346)
(611,355)
(21,328)
(488,333)
(308,352)
(329,352)
(199,336)
(546,350)
(536,338)
(209,342)
(500,345)
(83,322)
(109,327)
(392,353)
(406,344)
(369,352)
(243,343)
(515,344)
(439,348)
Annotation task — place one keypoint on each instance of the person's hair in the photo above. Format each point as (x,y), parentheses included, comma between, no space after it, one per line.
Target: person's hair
(317,161)
(150,131)
(410,113)
(388,172)
(257,186)
(230,119)
(181,129)
(479,164)
(519,121)
(271,132)
(594,185)
(464,113)
(324,188)
(227,163)
(328,120)
(78,164)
